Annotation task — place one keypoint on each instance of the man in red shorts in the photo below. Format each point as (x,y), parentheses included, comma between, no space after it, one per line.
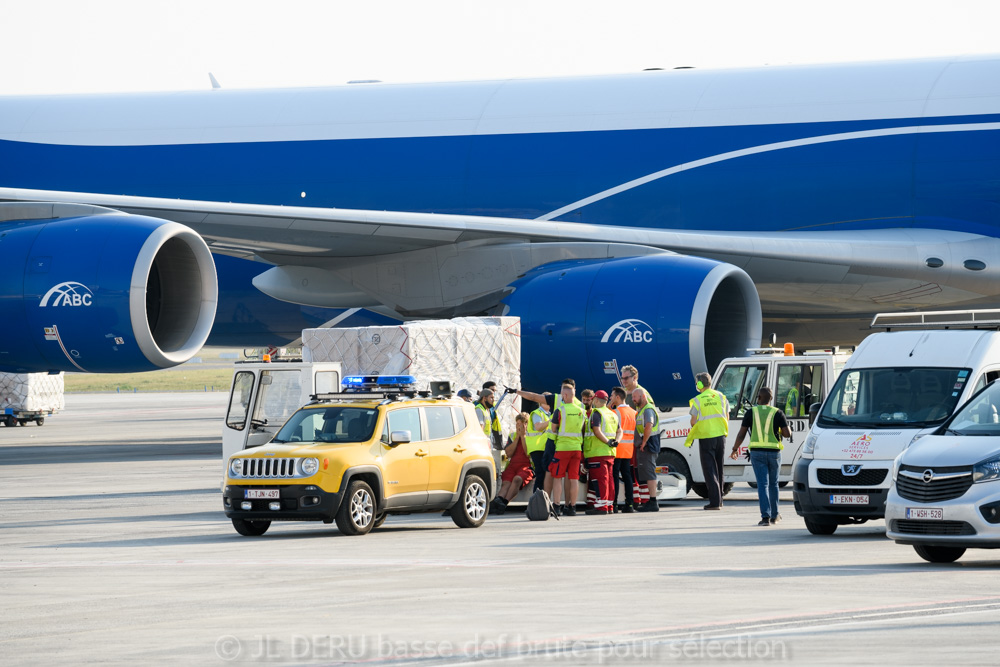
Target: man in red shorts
(518,473)
(568,425)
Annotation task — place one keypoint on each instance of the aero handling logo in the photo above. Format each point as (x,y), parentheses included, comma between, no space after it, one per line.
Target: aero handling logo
(629,331)
(68,294)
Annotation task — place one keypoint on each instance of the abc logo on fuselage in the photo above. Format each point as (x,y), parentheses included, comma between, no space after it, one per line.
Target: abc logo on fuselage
(628,331)
(68,294)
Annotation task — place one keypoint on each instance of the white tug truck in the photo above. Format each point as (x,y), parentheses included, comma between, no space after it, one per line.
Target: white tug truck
(796,382)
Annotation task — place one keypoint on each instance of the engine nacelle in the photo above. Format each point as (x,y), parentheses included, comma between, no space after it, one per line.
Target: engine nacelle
(670,316)
(103,293)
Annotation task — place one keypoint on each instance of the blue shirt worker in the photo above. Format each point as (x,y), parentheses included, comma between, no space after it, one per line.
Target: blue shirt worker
(766,425)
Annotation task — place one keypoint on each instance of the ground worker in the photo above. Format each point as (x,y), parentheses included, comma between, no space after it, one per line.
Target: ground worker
(538,425)
(550,444)
(622,469)
(518,473)
(766,425)
(710,425)
(567,424)
(647,439)
(794,406)
(599,451)
(587,398)
(630,378)
(465,395)
(488,419)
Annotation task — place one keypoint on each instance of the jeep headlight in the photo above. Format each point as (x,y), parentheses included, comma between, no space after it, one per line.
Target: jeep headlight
(309,467)
(235,467)
(810,446)
(987,470)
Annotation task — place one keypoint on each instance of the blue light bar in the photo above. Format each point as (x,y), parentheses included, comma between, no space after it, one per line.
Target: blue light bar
(383,382)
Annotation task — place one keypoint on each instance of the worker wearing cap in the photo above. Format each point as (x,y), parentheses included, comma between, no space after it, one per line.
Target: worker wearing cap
(622,469)
(465,395)
(488,418)
(568,424)
(599,450)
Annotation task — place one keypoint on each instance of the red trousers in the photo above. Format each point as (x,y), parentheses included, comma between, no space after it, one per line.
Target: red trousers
(599,470)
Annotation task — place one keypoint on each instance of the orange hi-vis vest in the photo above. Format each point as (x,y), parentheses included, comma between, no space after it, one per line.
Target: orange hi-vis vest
(626,416)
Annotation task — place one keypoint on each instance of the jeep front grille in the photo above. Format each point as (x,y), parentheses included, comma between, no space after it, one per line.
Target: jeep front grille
(268,467)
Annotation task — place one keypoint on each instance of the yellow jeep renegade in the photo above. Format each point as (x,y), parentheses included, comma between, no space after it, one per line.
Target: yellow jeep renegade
(356,460)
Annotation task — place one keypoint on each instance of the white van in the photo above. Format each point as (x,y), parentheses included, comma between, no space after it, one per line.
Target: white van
(945,497)
(897,387)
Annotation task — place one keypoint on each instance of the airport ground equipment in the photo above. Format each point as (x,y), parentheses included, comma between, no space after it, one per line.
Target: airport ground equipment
(900,385)
(355,457)
(796,382)
(30,397)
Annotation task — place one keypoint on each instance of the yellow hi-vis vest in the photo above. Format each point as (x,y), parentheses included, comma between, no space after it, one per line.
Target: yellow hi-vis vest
(569,437)
(762,430)
(535,440)
(488,426)
(794,406)
(641,425)
(592,445)
(713,416)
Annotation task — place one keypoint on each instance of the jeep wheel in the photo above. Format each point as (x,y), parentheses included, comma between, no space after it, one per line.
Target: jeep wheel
(820,527)
(472,506)
(379,520)
(356,515)
(251,528)
(938,554)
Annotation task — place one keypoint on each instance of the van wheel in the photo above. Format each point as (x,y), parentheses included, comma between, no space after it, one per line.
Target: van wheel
(472,507)
(702,489)
(782,485)
(677,464)
(752,485)
(820,527)
(939,554)
(356,515)
(251,528)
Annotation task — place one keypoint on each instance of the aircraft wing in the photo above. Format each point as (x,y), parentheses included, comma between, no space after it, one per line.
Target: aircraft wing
(873,269)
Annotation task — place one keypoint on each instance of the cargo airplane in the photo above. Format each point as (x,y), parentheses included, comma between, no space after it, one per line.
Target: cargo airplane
(662,218)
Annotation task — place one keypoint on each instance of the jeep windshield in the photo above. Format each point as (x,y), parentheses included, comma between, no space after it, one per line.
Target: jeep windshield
(875,398)
(339,424)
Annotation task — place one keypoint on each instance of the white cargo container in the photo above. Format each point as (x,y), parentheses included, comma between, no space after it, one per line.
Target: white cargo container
(28,397)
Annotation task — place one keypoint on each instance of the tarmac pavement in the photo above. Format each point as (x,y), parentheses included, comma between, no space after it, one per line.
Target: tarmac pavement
(115,550)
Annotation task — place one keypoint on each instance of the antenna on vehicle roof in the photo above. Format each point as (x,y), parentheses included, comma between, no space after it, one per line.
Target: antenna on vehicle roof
(215,83)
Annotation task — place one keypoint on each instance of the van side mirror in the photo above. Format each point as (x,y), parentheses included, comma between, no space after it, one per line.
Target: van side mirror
(398,438)
(813,413)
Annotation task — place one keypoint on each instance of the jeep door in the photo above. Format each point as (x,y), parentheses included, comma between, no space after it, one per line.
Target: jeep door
(446,451)
(405,465)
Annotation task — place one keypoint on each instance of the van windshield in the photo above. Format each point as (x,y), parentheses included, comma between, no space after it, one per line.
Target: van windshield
(336,424)
(893,397)
(979,416)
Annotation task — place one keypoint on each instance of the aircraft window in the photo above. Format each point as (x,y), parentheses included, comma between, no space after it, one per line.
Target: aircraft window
(239,401)
(439,424)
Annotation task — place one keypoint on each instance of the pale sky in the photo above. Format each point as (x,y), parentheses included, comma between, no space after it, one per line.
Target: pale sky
(76,46)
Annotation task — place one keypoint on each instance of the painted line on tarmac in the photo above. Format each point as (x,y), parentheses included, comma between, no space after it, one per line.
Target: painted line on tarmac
(634,644)
(337,562)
